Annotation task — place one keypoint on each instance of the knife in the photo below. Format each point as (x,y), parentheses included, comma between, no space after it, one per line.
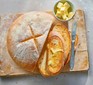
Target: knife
(72,45)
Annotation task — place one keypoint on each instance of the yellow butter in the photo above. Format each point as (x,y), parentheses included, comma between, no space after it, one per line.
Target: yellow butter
(50,62)
(59,13)
(56,50)
(59,5)
(66,12)
(66,5)
(70,14)
(62,8)
(65,17)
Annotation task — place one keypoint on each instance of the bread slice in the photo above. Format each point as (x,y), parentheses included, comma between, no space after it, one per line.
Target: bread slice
(63,30)
(47,57)
(60,34)
(26,38)
(55,57)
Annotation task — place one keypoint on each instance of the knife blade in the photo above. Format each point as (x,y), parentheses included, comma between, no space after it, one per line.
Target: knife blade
(72,45)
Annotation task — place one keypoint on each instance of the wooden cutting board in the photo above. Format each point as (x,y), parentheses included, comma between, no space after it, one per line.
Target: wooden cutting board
(8,67)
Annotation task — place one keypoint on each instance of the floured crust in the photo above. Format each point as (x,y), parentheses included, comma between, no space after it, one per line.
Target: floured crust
(25,36)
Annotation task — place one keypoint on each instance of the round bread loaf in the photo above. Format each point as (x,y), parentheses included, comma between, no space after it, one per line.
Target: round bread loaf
(26,38)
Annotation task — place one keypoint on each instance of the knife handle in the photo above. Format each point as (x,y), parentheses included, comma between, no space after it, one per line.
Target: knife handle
(72,55)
